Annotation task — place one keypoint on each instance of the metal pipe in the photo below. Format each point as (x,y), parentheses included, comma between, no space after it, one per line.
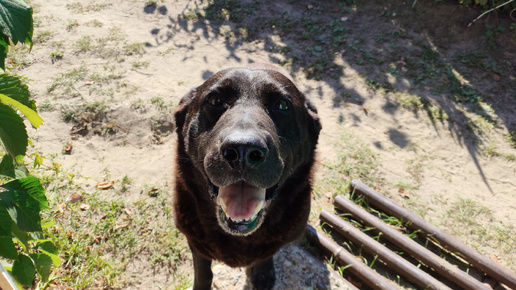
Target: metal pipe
(392,260)
(364,273)
(478,260)
(409,246)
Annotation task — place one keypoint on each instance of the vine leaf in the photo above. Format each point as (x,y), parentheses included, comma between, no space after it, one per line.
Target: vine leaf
(12,132)
(16,24)
(16,94)
(7,248)
(24,270)
(23,199)
(43,265)
(9,167)
(48,248)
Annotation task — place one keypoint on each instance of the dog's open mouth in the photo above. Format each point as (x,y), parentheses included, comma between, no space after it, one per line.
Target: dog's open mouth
(241,206)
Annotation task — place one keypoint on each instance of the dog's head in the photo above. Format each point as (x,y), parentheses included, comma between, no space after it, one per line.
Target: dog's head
(247,130)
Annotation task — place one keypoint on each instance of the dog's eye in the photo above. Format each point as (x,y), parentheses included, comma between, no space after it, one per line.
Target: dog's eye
(214,100)
(282,105)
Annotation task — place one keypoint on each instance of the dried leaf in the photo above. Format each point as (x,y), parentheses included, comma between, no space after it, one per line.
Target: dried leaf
(153,192)
(68,148)
(122,226)
(74,198)
(128,211)
(84,206)
(403,193)
(495,258)
(399,228)
(105,184)
(496,77)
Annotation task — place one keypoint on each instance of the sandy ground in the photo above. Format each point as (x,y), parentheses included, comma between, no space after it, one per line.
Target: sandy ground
(138,62)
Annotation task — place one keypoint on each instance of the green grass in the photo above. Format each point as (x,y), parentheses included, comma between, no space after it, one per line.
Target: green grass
(99,235)
(135,48)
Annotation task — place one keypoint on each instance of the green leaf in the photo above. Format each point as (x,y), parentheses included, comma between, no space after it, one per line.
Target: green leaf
(9,167)
(5,222)
(47,247)
(24,270)
(30,114)
(7,248)
(16,23)
(13,88)
(23,199)
(16,94)
(4,48)
(21,236)
(43,265)
(12,131)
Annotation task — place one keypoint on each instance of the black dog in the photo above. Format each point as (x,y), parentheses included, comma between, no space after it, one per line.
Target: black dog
(245,152)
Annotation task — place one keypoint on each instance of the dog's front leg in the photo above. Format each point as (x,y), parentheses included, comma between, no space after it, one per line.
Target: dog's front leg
(202,271)
(262,274)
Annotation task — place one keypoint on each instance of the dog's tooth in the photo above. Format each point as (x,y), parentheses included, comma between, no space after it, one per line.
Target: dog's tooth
(223,205)
(258,207)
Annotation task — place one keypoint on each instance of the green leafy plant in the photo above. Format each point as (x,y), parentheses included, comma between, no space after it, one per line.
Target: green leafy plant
(22,196)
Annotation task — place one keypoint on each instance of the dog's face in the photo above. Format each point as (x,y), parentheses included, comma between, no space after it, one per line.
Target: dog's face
(246,131)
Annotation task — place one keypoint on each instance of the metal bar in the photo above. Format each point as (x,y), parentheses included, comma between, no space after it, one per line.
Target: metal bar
(409,246)
(478,260)
(6,282)
(364,273)
(400,265)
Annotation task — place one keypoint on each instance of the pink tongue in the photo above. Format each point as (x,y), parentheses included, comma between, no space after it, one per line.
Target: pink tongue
(240,199)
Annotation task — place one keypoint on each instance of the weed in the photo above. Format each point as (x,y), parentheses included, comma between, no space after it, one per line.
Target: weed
(159,103)
(43,36)
(153,3)
(511,138)
(126,182)
(136,48)
(18,57)
(95,23)
(46,106)
(140,64)
(67,81)
(191,16)
(56,55)
(77,7)
(72,24)
(491,32)
(138,105)
(84,44)
(356,161)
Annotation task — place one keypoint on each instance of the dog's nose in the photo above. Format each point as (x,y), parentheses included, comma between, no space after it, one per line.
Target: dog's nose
(244,151)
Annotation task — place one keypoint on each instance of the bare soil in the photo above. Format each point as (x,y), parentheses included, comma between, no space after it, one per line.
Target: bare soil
(431,101)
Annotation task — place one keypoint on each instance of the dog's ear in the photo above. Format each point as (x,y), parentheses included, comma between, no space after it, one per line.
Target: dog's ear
(182,109)
(314,126)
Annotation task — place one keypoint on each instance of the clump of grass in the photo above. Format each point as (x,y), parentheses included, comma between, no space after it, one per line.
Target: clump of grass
(67,81)
(84,44)
(511,138)
(135,48)
(355,161)
(99,234)
(140,64)
(72,24)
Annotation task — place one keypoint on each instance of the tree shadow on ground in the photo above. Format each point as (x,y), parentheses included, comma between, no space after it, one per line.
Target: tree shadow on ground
(422,59)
